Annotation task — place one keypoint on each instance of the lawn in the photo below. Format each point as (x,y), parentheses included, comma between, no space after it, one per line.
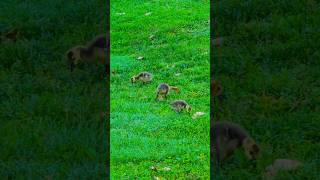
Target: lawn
(269,67)
(50,124)
(146,133)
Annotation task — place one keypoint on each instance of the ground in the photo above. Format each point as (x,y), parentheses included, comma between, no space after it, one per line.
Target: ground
(144,132)
(269,67)
(49,118)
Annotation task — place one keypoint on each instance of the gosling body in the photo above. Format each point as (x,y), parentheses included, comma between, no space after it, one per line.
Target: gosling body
(179,105)
(164,89)
(216,88)
(95,51)
(10,36)
(227,137)
(144,77)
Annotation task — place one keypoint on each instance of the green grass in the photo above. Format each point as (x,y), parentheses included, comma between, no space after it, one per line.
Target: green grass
(269,66)
(144,132)
(49,119)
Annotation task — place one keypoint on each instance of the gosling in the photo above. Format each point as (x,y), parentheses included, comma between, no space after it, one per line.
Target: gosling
(144,77)
(216,91)
(163,90)
(94,51)
(216,88)
(227,137)
(179,105)
(10,36)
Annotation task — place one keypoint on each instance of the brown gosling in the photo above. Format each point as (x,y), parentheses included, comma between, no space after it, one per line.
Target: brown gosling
(10,36)
(94,51)
(216,91)
(179,105)
(216,88)
(227,137)
(164,89)
(144,77)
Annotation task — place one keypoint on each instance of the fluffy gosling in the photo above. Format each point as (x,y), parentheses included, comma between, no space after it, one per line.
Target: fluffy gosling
(10,36)
(216,88)
(216,92)
(179,105)
(164,89)
(227,137)
(94,51)
(144,77)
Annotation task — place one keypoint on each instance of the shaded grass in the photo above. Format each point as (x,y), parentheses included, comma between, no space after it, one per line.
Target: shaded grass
(144,132)
(269,67)
(50,119)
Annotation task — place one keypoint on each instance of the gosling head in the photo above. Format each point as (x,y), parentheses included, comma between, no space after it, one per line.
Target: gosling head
(251,149)
(73,56)
(133,79)
(188,108)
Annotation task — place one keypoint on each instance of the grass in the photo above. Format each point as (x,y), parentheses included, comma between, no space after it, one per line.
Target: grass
(146,133)
(50,119)
(269,66)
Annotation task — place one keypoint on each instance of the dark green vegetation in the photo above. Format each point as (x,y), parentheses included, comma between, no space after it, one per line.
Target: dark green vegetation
(50,119)
(269,65)
(146,133)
